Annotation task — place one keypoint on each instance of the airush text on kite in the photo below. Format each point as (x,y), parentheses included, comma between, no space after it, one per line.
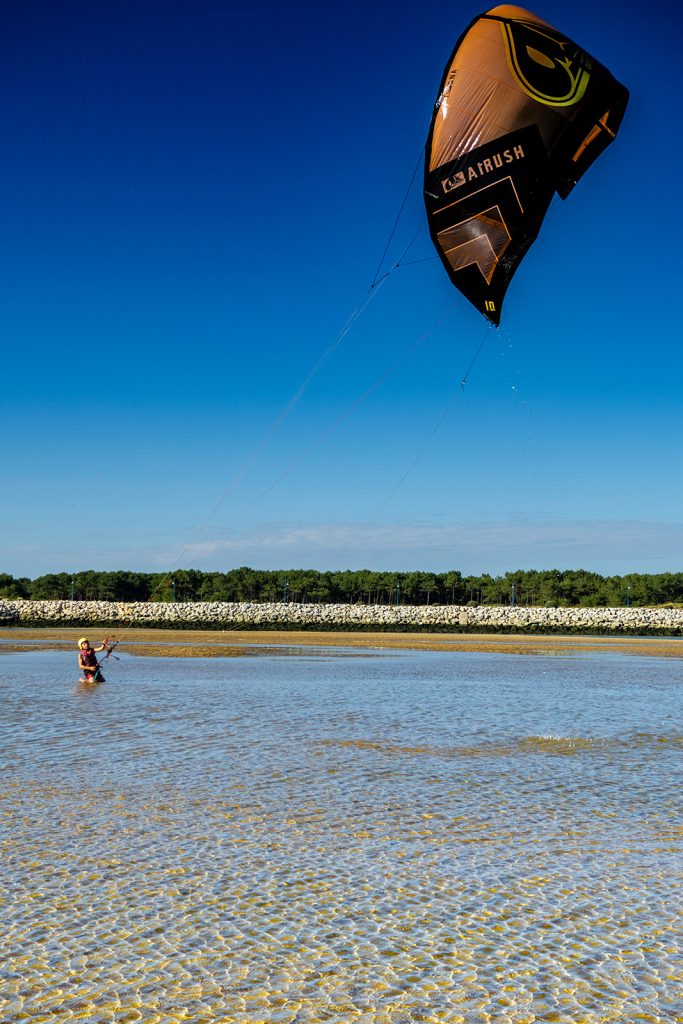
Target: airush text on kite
(482,168)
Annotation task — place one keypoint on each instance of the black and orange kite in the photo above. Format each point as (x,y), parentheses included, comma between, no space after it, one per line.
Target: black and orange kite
(522,113)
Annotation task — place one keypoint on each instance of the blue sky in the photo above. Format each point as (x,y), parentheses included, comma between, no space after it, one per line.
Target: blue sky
(196,197)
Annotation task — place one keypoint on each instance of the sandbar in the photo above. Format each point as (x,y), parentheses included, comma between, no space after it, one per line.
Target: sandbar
(172,643)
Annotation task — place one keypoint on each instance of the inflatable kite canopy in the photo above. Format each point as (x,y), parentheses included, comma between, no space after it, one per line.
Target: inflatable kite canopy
(522,113)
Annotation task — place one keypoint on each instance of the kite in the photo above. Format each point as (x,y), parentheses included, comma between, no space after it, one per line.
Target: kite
(522,113)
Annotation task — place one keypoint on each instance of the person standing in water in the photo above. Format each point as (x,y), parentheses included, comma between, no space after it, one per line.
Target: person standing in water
(88,663)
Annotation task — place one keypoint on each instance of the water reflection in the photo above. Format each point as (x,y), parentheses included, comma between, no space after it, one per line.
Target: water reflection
(410,837)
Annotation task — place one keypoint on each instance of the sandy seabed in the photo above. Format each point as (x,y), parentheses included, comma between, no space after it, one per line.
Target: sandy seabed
(366,840)
(196,643)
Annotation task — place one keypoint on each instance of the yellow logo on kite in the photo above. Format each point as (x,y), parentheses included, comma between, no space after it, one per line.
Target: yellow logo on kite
(548,67)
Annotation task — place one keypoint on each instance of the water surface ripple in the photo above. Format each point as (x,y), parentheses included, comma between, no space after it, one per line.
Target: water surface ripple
(445,837)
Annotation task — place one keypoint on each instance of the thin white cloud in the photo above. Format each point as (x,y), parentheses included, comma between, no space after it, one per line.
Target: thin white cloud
(606,546)
(473,547)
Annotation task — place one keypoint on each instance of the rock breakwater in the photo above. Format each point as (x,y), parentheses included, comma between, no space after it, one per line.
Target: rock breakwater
(351,617)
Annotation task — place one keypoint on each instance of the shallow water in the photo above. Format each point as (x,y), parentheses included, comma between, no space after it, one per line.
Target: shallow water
(382,838)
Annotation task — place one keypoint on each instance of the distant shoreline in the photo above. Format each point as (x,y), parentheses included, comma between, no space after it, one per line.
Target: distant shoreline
(175,643)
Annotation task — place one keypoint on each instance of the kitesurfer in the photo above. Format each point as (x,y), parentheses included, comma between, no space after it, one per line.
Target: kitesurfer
(88,663)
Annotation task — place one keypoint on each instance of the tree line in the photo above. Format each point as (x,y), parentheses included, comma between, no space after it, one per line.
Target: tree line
(549,588)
